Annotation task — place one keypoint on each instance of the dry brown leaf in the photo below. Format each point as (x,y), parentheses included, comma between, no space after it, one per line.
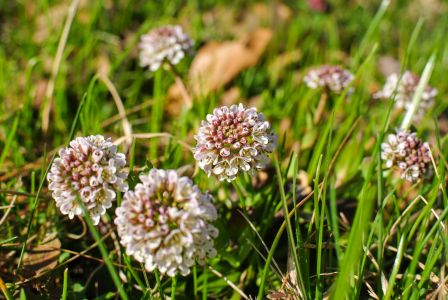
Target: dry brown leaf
(218,63)
(43,257)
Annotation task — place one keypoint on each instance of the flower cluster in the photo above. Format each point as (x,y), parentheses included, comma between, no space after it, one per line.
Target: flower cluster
(164,44)
(406,86)
(91,169)
(233,139)
(406,151)
(165,223)
(333,78)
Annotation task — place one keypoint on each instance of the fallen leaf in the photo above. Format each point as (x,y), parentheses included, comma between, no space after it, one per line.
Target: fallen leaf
(218,63)
(43,257)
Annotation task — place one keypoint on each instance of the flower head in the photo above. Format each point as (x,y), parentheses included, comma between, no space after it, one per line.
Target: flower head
(407,152)
(91,169)
(406,88)
(233,139)
(334,78)
(165,223)
(164,44)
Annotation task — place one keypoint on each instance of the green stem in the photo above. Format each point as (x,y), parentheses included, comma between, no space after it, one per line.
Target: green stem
(204,289)
(103,250)
(159,284)
(173,287)
(65,285)
(397,263)
(195,282)
(289,230)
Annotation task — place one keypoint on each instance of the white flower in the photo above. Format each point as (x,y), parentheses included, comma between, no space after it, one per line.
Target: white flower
(165,223)
(91,169)
(405,92)
(233,139)
(334,78)
(407,152)
(164,44)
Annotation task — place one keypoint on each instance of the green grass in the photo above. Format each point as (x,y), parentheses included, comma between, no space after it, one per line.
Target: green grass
(358,230)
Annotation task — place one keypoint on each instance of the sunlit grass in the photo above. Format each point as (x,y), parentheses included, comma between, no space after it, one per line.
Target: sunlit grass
(358,231)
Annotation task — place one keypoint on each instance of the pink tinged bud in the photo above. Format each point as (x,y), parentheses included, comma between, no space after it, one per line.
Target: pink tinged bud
(224,152)
(149,222)
(97,155)
(86,193)
(84,180)
(84,147)
(141,218)
(93,181)
(75,176)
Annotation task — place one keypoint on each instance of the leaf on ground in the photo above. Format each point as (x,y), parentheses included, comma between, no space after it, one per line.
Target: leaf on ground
(43,257)
(218,63)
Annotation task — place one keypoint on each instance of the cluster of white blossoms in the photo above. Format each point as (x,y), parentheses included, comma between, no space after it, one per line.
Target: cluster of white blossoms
(233,139)
(165,44)
(406,86)
(333,78)
(406,151)
(165,223)
(90,169)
